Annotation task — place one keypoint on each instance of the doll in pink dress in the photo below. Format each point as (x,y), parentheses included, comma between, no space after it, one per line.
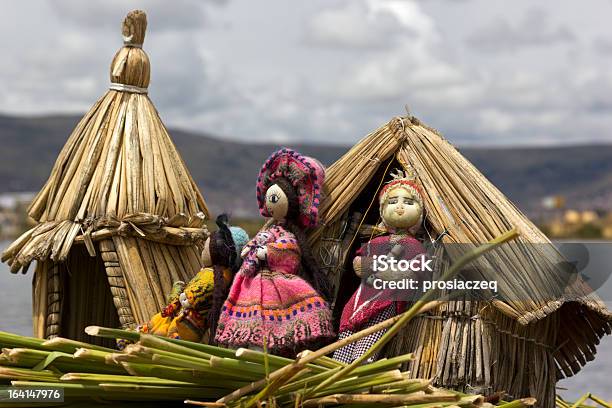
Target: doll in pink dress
(279,294)
(401,210)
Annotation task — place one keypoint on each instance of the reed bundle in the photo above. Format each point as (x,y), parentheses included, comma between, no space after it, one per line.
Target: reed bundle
(472,345)
(581,402)
(120,217)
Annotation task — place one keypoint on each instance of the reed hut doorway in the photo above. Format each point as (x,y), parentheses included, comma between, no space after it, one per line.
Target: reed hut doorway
(79,292)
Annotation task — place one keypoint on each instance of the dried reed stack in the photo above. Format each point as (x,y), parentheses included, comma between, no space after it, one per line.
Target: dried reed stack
(119,218)
(541,333)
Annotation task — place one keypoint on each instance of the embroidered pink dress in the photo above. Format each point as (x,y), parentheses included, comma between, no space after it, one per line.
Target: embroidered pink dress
(369,306)
(268,299)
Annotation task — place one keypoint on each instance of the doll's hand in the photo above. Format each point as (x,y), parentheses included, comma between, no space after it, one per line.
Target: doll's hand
(184,301)
(262,253)
(396,251)
(357,266)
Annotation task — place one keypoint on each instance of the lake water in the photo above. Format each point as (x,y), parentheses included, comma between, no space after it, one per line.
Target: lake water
(16,310)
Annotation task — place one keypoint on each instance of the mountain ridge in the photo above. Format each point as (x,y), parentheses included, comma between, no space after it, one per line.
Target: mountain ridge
(225,170)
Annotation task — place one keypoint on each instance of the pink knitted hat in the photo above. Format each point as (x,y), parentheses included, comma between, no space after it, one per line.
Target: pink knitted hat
(306,174)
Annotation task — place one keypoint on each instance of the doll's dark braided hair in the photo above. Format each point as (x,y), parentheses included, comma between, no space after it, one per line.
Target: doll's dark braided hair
(309,267)
(223,255)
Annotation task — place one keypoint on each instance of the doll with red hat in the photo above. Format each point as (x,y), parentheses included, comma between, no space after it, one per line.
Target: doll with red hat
(401,210)
(279,294)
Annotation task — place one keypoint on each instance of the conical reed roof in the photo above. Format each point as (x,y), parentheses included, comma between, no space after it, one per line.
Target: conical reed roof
(118,162)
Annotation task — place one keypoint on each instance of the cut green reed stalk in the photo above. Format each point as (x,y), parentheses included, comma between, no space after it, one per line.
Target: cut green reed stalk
(51,358)
(192,363)
(519,403)
(600,401)
(354,384)
(366,371)
(181,374)
(36,359)
(470,400)
(12,373)
(160,343)
(70,346)
(149,353)
(91,355)
(561,403)
(160,392)
(109,333)
(329,362)
(11,340)
(205,404)
(452,271)
(581,400)
(404,386)
(39,359)
(305,382)
(133,336)
(215,365)
(237,365)
(255,356)
(118,358)
(397,399)
(108,378)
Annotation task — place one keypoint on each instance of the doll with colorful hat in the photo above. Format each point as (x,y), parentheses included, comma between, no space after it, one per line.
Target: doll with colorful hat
(401,210)
(279,295)
(193,309)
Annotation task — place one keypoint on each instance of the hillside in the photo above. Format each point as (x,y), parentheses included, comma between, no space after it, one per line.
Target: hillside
(226,170)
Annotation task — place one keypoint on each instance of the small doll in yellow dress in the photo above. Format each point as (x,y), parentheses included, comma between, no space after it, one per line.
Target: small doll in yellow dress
(193,309)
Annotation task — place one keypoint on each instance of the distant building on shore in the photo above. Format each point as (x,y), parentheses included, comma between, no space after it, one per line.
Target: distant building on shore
(13,218)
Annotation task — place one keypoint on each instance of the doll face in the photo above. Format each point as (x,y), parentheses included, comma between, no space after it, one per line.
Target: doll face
(400,209)
(277,203)
(206,260)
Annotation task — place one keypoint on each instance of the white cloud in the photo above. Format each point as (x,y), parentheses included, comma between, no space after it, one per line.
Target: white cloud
(353,26)
(374,24)
(534,30)
(180,15)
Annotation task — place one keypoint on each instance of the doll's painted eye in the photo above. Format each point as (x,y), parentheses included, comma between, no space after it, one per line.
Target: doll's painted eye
(408,201)
(273,198)
(393,200)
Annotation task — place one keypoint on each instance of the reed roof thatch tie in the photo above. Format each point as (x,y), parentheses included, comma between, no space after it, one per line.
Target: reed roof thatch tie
(128,88)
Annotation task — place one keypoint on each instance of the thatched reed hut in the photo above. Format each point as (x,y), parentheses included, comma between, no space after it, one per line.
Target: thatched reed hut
(542,332)
(119,219)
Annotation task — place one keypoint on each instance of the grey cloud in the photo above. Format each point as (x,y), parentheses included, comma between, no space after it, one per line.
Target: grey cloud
(354,26)
(534,30)
(181,15)
(603,45)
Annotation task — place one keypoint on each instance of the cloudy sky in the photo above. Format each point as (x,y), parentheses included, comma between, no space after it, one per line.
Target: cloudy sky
(481,71)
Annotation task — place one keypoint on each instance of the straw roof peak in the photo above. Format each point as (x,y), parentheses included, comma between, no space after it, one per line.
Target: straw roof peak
(119,172)
(131,65)
(134,27)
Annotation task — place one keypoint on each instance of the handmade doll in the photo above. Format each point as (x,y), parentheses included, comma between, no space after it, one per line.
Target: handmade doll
(193,309)
(279,292)
(401,210)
